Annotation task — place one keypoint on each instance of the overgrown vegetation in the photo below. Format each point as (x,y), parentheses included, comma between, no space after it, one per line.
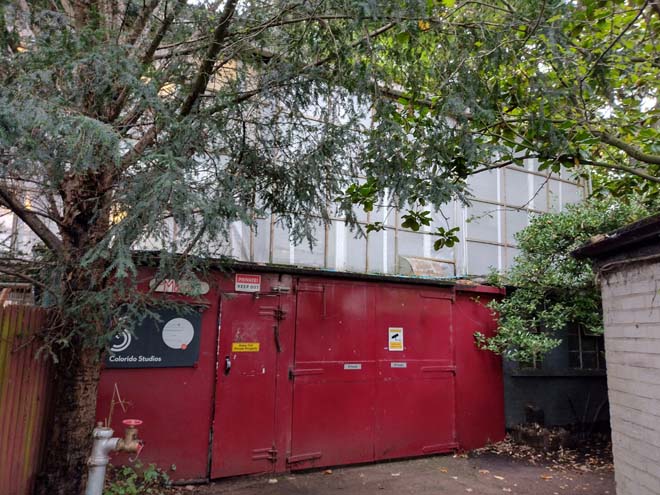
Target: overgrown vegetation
(549,288)
(136,480)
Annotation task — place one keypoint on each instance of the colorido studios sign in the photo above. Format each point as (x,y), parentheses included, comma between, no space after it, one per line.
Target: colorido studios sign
(172,340)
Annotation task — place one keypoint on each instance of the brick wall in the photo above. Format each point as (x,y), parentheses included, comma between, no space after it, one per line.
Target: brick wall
(631,305)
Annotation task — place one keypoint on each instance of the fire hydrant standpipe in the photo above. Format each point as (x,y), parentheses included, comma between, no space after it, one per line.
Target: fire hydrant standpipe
(104,443)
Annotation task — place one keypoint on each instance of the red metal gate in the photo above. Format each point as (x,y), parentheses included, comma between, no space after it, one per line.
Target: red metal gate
(416,386)
(334,376)
(244,425)
(374,373)
(324,371)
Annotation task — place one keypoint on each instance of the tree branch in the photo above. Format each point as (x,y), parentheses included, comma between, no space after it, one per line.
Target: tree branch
(141,21)
(623,168)
(206,68)
(502,164)
(240,98)
(628,149)
(148,55)
(614,42)
(31,220)
(25,277)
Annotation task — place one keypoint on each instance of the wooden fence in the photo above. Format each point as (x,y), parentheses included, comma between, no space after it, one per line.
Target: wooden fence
(25,385)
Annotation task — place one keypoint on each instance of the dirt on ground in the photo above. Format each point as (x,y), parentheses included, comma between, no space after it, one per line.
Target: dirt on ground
(502,468)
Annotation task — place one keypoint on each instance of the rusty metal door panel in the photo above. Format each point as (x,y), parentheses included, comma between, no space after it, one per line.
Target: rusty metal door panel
(244,436)
(334,376)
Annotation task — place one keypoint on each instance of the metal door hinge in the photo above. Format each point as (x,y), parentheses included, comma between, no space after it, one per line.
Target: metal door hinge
(294,459)
(269,454)
(277,313)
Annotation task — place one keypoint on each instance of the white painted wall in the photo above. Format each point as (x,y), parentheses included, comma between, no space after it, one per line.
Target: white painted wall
(631,305)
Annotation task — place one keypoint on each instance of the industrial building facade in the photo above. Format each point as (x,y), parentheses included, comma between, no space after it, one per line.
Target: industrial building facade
(282,370)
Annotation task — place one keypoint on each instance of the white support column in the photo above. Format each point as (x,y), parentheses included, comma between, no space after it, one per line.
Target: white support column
(385,232)
(236,239)
(340,245)
(501,198)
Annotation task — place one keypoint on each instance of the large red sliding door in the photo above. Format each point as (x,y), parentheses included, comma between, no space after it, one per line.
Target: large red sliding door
(334,373)
(373,373)
(350,372)
(415,388)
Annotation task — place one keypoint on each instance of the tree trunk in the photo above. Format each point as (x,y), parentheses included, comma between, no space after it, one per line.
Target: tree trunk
(70,439)
(81,325)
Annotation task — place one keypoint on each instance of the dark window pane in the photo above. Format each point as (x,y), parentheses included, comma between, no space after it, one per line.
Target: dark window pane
(589,360)
(574,359)
(589,344)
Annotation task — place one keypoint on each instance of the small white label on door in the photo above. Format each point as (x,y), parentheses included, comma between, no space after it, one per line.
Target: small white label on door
(353,366)
(395,339)
(247,283)
(398,365)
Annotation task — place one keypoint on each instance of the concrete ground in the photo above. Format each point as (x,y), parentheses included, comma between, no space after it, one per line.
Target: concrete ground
(486,474)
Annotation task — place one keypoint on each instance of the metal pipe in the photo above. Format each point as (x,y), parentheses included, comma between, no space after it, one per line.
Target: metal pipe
(104,443)
(98,461)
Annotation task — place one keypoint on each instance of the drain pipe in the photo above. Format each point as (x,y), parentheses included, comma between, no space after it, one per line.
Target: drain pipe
(104,443)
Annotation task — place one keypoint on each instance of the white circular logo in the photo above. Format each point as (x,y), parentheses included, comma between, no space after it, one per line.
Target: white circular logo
(121,341)
(178,333)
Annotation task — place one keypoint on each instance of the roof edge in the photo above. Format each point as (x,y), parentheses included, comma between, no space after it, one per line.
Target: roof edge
(640,233)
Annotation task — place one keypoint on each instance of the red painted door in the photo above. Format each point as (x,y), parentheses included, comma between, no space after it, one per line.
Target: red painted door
(244,436)
(333,373)
(415,390)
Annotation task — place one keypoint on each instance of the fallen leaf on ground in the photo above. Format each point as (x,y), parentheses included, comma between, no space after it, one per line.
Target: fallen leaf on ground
(442,470)
(498,477)
(484,471)
(327,471)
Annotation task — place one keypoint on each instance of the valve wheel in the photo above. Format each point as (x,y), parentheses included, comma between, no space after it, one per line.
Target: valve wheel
(132,422)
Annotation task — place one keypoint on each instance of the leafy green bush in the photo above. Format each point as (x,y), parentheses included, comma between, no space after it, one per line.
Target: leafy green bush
(549,288)
(137,480)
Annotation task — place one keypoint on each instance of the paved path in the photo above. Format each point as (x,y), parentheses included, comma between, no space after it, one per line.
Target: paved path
(439,475)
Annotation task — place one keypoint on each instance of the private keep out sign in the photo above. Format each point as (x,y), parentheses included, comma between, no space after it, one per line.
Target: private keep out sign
(247,283)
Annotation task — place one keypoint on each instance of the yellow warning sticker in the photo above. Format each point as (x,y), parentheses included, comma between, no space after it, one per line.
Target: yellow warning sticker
(245,347)
(395,339)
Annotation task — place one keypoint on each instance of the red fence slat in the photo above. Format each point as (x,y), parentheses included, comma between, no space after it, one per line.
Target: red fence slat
(25,387)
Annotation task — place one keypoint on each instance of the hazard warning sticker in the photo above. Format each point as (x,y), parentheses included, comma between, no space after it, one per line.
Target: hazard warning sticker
(245,347)
(395,338)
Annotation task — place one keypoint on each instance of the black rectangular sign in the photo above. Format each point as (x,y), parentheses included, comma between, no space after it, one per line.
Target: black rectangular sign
(171,342)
